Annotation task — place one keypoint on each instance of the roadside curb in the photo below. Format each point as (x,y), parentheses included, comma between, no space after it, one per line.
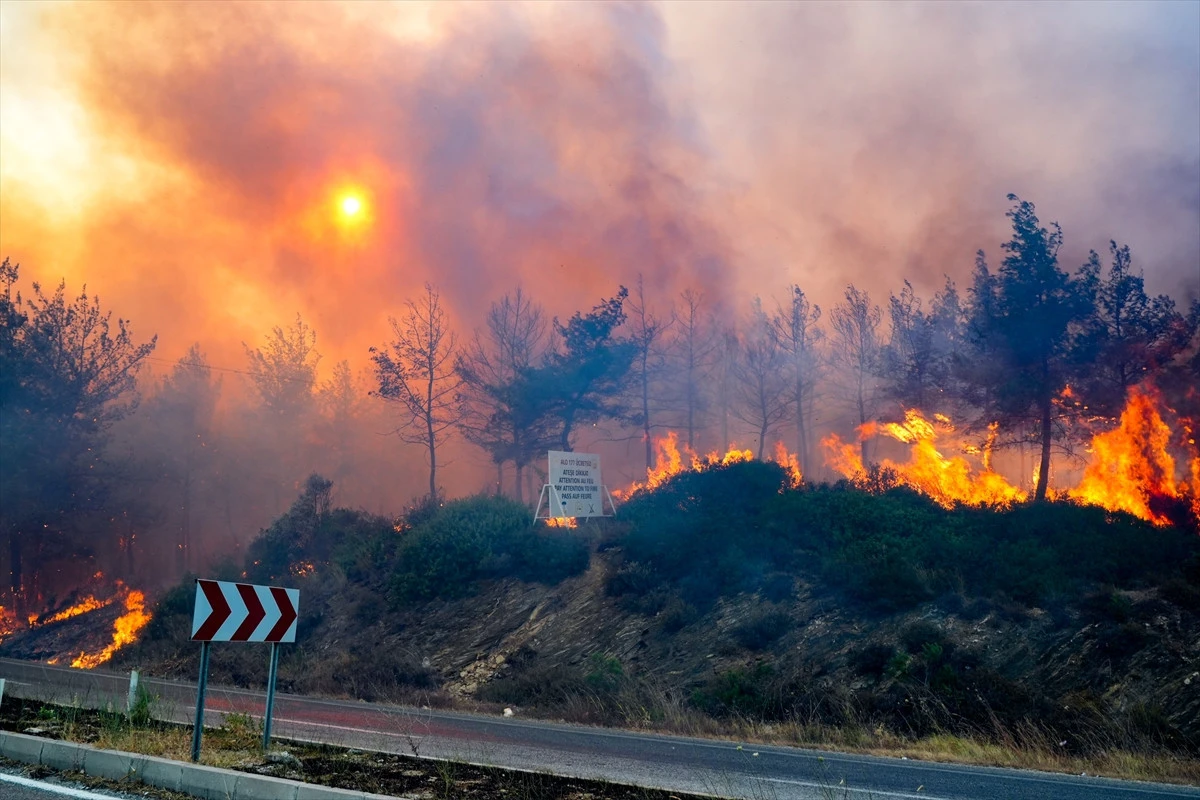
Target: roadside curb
(209,783)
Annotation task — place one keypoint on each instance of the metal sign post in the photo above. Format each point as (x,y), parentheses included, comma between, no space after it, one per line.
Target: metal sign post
(201,688)
(241,612)
(270,695)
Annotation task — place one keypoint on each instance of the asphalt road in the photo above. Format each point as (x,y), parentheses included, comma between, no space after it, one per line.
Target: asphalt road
(724,768)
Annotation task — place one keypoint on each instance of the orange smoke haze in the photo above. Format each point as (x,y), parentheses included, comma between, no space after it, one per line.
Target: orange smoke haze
(212,169)
(255,160)
(192,162)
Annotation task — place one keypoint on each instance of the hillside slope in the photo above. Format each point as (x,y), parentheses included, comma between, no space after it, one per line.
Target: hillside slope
(1089,641)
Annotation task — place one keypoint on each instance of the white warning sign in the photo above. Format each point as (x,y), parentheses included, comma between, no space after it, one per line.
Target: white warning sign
(577,488)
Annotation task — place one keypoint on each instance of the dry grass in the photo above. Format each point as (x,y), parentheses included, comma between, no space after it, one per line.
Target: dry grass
(236,743)
(1112,754)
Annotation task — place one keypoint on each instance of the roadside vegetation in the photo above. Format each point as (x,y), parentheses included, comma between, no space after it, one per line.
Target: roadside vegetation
(1049,635)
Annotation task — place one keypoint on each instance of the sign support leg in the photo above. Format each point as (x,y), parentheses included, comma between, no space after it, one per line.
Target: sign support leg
(201,689)
(274,671)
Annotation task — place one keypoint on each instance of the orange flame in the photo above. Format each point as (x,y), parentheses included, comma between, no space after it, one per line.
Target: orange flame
(948,481)
(8,623)
(1194,486)
(1130,464)
(88,604)
(1131,469)
(125,631)
(562,522)
(670,460)
(790,462)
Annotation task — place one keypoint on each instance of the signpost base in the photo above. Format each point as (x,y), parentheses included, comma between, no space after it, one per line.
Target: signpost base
(549,499)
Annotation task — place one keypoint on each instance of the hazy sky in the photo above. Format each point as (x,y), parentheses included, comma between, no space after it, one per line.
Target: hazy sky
(188,161)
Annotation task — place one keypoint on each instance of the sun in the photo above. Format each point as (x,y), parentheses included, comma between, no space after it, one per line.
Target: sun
(351,205)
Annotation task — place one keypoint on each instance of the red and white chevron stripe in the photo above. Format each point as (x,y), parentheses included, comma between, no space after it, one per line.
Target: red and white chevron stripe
(243,612)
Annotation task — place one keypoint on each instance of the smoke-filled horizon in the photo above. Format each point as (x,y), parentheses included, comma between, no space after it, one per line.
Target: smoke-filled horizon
(211,171)
(186,161)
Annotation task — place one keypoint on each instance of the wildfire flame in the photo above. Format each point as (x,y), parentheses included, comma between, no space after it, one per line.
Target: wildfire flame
(948,481)
(670,460)
(1131,469)
(125,631)
(562,522)
(88,604)
(1131,466)
(8,623)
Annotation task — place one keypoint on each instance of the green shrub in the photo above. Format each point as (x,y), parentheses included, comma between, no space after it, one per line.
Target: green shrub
(604,673)
(742,528)
(475,538)
(739,692)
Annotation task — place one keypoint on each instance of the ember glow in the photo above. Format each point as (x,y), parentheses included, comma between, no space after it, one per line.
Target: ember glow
(125,631)
(562,522)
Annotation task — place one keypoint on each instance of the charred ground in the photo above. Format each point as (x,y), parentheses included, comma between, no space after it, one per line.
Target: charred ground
(731,598)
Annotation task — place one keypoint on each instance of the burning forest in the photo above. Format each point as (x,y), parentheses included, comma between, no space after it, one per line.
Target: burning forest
(476,235)
(85,634)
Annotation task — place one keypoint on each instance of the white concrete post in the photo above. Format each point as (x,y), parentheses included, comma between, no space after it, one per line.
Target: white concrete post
(133,687)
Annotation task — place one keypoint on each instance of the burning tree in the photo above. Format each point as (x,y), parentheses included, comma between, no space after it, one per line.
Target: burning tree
(67,373)
(691,352)
(649,362)
(1027,320)
(796,330)
(1129,335)
(761,389)
(857,350)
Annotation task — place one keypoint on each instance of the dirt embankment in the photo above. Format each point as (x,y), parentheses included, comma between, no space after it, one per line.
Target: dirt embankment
(1107,665)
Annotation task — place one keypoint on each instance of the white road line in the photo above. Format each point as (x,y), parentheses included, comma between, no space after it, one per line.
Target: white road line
(53,788)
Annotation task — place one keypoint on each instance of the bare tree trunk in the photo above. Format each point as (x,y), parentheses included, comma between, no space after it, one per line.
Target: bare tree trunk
(429,432)
(862,418)
(1043,482)
(646,413)
(801,431)
(520,480)
(691,415)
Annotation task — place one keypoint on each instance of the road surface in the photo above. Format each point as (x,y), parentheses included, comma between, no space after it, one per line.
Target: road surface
(724,768)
